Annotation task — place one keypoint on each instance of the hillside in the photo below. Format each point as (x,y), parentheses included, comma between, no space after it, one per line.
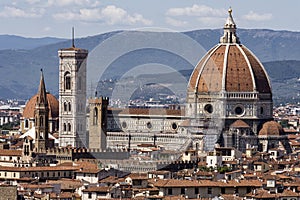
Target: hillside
(18,42)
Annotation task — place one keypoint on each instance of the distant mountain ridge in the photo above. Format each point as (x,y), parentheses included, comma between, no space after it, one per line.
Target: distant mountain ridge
(20,64)
(18,42)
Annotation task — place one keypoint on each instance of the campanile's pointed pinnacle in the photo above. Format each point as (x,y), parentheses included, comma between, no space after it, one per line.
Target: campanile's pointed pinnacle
(42,94)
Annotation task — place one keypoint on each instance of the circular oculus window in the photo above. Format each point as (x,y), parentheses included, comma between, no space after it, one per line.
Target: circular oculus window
(174,126)
(208,108)
(124,125)
(149,125)
(239,110)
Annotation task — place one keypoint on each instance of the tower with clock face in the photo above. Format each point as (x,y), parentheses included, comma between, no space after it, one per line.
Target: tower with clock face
(72,97)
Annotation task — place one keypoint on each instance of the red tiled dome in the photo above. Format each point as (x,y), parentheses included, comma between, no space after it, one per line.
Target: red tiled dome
(53,106)
(271,128)
(231,67)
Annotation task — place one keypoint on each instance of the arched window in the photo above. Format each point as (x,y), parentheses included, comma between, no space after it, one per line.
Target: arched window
(67,79)
(26,123)
(261,110)
(26,150)
(65,127)
(69,106)
(69,127)
(65,106)
(95,116)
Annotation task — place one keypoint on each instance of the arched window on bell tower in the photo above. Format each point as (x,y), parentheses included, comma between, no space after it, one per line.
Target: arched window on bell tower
(95,116)
(65,106)
(69,127)
(67,80)
(69,107)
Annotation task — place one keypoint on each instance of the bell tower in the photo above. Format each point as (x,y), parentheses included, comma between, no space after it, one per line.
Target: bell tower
(72,96)
(98,122)
(41,112)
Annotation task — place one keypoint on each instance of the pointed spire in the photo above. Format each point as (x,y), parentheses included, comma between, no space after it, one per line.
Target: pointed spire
(42,94)
(229,30)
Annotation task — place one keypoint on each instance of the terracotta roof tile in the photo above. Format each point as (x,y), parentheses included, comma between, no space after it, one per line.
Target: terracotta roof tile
(208,74)
(110,180)
(271,128)
(239,124)
(97,189)
(66,184)
(262,194)
(289,193)
(138,176)
(36,186)
(45,168)
(64,195)
(8,152)
(231,197)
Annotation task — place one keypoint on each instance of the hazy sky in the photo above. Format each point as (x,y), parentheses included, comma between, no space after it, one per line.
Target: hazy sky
(39,18)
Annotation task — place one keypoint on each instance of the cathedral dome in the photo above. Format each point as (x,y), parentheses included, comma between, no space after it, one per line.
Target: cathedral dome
(52,105)
(229,67)
(271,128)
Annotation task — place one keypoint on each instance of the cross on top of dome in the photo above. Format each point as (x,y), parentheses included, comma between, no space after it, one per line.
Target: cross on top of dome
(229,30)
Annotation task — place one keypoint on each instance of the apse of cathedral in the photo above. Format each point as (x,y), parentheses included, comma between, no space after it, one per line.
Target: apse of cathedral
(229,104)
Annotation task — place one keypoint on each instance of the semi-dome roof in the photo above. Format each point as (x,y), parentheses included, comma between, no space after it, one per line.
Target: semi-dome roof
(271,128)
(239,124)
(53,106)
(229,67)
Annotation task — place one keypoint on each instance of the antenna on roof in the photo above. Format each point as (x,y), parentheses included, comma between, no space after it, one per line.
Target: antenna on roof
(73,42)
